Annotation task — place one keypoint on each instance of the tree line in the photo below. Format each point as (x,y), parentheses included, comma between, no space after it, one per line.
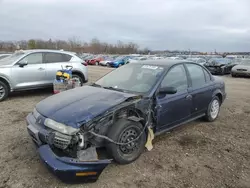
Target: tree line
(95,46)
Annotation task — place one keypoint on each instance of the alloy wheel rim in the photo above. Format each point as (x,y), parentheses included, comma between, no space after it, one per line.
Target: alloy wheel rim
(214,109)
(2,92)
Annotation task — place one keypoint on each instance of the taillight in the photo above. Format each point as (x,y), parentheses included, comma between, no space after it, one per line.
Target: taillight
(85,64)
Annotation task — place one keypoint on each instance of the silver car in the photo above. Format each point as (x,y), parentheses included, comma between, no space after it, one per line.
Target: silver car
(4,55)
(242,69)
(33,69)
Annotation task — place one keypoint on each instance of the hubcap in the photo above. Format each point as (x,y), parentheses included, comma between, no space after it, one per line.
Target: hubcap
(215,106)
(2,92)
(127,136)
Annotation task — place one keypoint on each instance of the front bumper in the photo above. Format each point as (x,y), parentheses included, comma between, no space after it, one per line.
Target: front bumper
(240,73)
(70,170)
(214,70)
(67,169)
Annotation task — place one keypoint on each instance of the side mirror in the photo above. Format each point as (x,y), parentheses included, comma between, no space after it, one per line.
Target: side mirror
(167,90)
(22,64)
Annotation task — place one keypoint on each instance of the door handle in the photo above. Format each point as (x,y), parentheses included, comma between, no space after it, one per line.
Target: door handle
(158,106)
(189,97)
(41,69)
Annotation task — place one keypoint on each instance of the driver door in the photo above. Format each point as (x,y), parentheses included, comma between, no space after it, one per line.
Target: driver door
(173,109)
(32,74)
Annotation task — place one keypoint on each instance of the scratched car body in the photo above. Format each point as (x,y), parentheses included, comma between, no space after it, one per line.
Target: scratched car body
(121,115)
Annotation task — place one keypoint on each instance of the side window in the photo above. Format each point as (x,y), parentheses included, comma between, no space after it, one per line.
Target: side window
(176,77)
(53,57)
(197,75)
(207,76)
(66,57)
(35,58)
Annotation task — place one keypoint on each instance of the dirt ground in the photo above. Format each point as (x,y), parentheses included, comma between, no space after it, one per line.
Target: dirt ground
(200,154)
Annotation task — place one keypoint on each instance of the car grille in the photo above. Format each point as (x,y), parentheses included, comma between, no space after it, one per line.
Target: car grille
(241,69)
(59,140)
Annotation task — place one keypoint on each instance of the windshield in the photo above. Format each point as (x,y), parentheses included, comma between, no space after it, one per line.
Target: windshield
(220,60)
(11,59)
(132,77)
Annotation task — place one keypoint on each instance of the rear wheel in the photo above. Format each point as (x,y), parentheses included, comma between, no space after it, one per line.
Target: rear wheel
(4,91)
(233,75)
(78,78)
(124,131)
(213,109)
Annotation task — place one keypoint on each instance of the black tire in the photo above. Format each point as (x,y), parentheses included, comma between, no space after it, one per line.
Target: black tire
(4,91)
(209,117)
(233,75)
(78,78)
(222,71)
(121,131)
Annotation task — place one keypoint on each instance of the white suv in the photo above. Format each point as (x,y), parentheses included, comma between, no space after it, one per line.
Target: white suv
(33,69)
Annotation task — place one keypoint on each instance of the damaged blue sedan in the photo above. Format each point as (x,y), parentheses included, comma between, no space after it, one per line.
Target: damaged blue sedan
(80,131)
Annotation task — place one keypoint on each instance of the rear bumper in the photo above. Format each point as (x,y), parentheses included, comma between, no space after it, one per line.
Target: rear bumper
(70,170)
(67,169)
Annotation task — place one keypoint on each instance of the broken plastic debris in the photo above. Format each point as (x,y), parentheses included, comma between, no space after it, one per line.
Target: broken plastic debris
(87,154)
(151,136)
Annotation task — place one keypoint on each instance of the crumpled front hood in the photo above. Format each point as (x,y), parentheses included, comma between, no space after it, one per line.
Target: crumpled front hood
(215,63)
(80,105)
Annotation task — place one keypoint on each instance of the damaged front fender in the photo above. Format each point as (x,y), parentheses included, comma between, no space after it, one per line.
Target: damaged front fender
(71,170)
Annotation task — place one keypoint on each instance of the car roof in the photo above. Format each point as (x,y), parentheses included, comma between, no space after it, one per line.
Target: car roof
(195,58)
(162,62)
(46,50)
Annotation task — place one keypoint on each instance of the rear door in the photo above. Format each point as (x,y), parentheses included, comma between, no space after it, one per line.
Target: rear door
(54,62)
(31,75)
(201,88)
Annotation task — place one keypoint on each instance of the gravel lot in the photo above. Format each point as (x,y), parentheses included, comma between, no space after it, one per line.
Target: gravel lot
(213,155)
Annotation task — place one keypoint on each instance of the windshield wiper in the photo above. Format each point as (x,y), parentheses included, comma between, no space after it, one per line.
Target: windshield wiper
(96,85)
(113,88)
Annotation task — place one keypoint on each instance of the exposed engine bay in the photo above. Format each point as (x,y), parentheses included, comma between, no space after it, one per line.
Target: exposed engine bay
(82,143)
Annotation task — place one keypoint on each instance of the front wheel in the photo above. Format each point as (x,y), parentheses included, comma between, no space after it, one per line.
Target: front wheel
(233,75)
(124,131)
(4,91)
(213,109)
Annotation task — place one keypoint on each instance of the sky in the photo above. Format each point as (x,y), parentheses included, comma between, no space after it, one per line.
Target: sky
(203,25)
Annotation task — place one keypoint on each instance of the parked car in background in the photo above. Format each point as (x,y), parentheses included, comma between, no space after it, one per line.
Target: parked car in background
(33,69)
(119,61)
(175,58)
(242,69)
(200,61)
(106,61)
(220,66)
(96,60)
(119,112)
(233,56)
(4,55)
